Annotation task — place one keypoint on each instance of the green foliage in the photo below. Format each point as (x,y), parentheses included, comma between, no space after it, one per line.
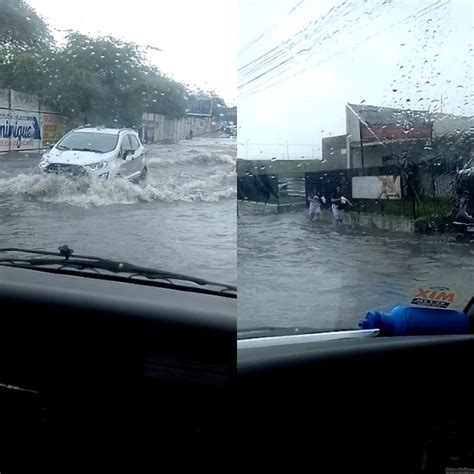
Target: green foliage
(99,81)
(25,71)
(434,207)
(21,28)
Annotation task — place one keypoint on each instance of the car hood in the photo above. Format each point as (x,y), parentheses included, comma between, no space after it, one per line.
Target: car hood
(74,157)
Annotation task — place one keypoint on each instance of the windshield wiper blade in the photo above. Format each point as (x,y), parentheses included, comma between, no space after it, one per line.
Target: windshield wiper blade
(88,149)
(89,262)
(273,331)
(62,147)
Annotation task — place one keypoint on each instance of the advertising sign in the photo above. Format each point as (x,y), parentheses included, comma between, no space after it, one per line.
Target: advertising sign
(52,128)
(200,108)
(384,124)
(376,187)
(19,130)
(435,297)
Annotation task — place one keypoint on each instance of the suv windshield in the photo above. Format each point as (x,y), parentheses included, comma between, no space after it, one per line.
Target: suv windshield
(89,141)
(355,183)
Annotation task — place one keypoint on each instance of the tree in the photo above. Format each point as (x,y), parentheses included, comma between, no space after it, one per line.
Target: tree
(166,96)
(21,28)
(25,71)
(106,81)
(25,42)
(98,81)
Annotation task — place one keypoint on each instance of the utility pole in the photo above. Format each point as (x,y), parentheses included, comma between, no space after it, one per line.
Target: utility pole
(361,147)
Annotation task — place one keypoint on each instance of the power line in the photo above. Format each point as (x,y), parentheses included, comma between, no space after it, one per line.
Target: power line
(251,43)
(314,21)
(259,88)
(266,72)
(269,57)
(418,13)
(292,43)
(262,35)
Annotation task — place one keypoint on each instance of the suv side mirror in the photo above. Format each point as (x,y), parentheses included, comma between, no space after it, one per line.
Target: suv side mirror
(125,154)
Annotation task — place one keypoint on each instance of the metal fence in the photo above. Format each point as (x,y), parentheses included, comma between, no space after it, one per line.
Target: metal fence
(416,198)
(158,128)
(281,151)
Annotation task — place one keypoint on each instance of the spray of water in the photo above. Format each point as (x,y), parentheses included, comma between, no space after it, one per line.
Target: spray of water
(202,172)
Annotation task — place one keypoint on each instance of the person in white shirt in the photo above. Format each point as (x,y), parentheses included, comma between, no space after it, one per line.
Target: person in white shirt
(315,206)
(338,205)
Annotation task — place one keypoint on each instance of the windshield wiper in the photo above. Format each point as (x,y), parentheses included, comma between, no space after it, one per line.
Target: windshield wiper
(273,331)
(87,262)
(267,337)
(88,149)
(62,147)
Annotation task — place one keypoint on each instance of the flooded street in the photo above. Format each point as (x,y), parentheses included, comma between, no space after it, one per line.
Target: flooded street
(296,273)
(181,219)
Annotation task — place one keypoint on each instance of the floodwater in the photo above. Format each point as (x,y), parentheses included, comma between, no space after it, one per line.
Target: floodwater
(296,273)
(181,219)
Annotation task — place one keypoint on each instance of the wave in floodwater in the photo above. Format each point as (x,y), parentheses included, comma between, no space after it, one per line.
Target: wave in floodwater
(192,157)
(176,173)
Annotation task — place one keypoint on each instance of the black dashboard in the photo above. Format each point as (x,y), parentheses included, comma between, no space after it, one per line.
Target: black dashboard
(89,363)
(381,405)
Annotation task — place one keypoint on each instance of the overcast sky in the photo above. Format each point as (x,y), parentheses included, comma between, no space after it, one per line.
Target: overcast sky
(396,53)
(197,38)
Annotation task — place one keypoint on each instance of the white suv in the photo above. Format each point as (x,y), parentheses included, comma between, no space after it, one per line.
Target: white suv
(102,152)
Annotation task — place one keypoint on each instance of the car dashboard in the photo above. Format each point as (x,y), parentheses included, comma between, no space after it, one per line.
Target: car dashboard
(372,404)
(83,360)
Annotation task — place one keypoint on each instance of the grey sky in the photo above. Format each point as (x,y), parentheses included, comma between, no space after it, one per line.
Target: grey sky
(397,53)
(198,39)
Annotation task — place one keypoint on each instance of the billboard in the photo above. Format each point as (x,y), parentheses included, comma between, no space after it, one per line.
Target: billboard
(200,107)
(19,130)
(376,187)
(402,131)
(52,126)
(386,123)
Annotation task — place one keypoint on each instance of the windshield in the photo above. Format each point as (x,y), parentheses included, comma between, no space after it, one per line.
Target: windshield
(168,79)
(88,141)
(355,159)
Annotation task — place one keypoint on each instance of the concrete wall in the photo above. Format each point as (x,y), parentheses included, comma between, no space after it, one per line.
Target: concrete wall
(446,124)
(380,155)
(382,222)
(334,151)
(298,168)
(26,123)
(352,124)
(158,128)
(284,168)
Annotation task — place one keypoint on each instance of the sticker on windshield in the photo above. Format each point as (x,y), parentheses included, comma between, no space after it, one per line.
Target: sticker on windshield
(439,297)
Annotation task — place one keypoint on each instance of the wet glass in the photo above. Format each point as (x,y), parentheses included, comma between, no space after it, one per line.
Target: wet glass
(355,159)
(100,142)
(86,64)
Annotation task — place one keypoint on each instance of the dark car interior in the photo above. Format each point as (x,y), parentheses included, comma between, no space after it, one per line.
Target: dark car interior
(399,404)
(119,370)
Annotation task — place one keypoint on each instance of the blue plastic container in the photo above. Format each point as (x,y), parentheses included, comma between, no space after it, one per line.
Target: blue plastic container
(410,321)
